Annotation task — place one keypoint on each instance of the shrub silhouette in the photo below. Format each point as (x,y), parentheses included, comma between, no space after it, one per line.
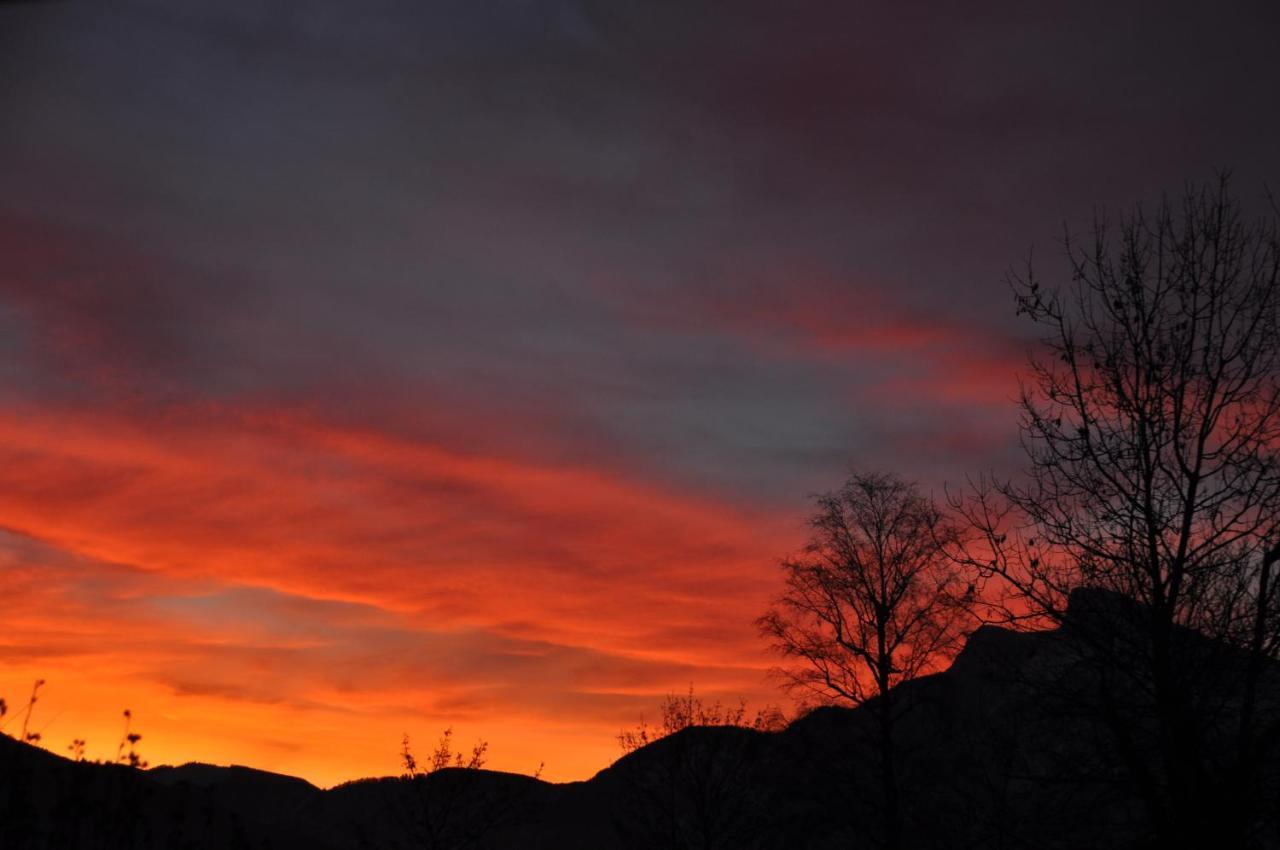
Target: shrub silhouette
(696,783)
(445,809)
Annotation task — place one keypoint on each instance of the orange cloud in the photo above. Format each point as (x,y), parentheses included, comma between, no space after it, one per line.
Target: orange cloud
(267,588)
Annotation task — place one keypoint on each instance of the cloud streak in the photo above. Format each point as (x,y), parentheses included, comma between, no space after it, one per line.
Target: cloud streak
(270,560)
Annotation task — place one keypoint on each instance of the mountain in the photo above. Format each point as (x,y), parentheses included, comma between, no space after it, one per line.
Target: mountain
(1006,749)
(257,795)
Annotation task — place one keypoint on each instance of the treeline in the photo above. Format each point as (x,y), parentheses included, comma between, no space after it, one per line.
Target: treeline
(1150,427)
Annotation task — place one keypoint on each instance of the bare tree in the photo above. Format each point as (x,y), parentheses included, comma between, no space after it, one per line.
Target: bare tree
(684,711)
(869,603)
(447,812)
(1151,423)
(697,785)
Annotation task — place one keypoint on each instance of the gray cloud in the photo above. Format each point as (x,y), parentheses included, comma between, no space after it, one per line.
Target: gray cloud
(447,202)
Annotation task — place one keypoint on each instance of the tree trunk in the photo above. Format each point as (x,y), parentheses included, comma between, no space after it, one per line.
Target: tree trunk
(1194,816)
(888,775)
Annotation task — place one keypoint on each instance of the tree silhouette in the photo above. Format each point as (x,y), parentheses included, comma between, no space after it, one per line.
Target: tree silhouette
(869,603)
(684,711)
(446,813)
(1151,423)
(695,787)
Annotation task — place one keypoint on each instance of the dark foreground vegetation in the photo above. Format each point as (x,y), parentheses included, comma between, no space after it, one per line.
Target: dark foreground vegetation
(1012,747)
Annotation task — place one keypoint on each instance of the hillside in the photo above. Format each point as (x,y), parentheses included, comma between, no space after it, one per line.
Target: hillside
(1002,750)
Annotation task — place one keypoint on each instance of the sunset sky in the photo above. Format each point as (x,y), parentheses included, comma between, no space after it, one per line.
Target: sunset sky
(380,367)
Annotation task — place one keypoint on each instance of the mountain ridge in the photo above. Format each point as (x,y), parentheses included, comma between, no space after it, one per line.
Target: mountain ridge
(994,750)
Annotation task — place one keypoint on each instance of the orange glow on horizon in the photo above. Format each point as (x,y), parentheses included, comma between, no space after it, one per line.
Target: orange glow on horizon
(262,585)
(266,590)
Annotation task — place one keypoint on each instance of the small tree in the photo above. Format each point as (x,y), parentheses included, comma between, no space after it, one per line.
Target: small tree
(869,603)
(442,756)
(696,786)
(683,711)
(447,813)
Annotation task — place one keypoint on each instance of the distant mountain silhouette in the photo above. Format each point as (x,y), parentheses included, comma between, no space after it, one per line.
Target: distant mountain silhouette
(1002,750)
(254,794)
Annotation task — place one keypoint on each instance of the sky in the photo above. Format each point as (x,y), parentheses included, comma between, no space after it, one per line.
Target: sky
(381,368)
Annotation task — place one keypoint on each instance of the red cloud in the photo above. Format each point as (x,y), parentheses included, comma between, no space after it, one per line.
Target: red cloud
(407,583)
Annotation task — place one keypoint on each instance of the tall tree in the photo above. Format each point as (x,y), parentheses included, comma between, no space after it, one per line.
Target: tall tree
(869,603)
(1151,424)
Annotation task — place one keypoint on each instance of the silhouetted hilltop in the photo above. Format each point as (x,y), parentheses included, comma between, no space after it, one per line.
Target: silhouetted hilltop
(49,801)
(1004,749)
(256,794)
